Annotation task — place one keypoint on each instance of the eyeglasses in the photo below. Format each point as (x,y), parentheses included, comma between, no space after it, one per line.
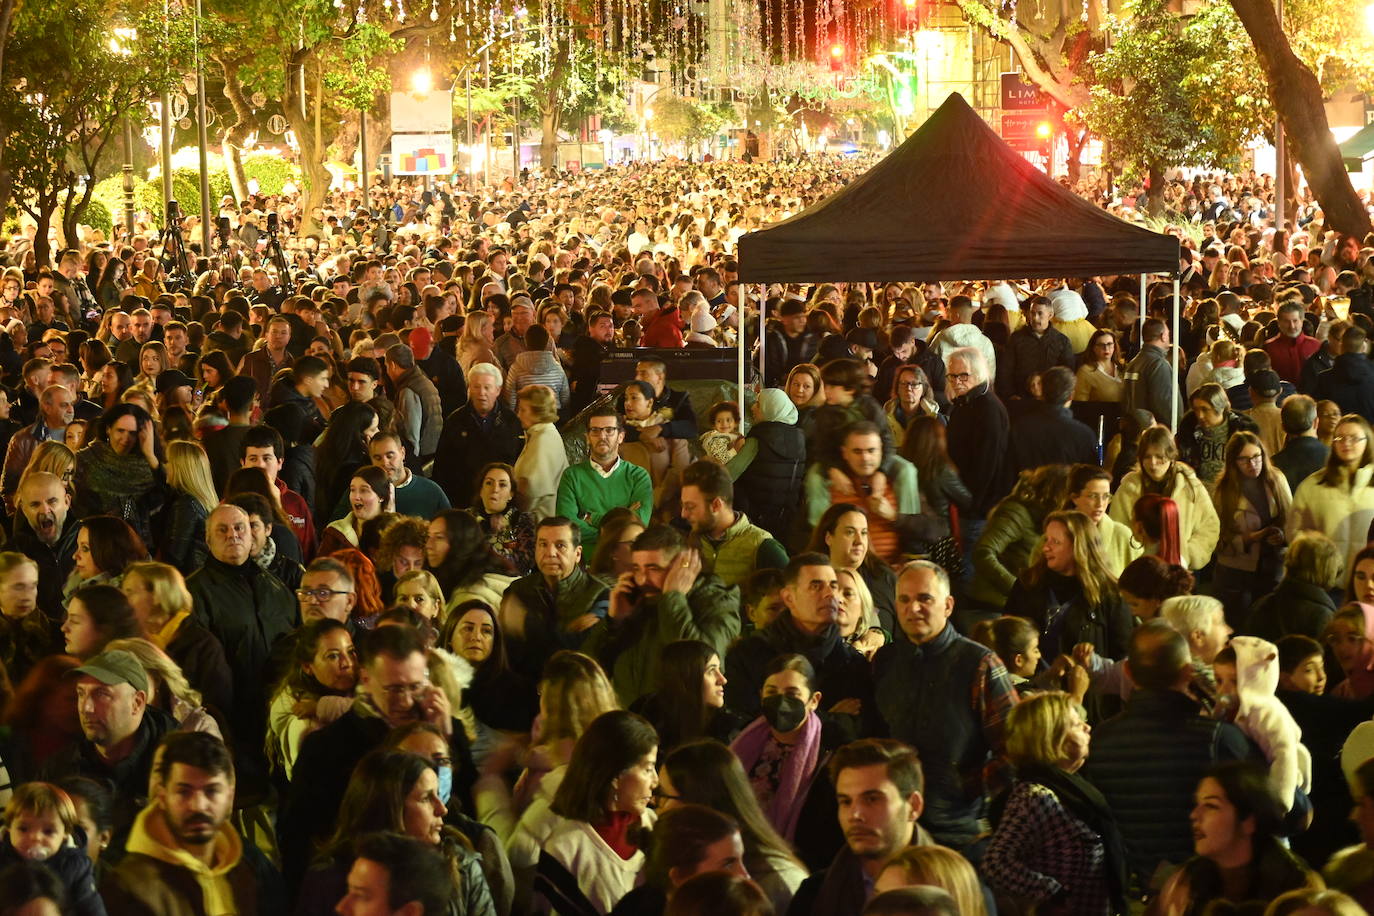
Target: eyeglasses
(1250,459)
(602,430)
(319,594)
(660,796)
(1353,440)
(910,386)
(959,376)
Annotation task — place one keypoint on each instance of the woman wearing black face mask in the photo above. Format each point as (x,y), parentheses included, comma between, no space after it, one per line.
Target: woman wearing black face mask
(785,751)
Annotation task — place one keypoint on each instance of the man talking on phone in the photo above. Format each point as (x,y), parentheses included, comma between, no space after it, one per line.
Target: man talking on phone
(394,690)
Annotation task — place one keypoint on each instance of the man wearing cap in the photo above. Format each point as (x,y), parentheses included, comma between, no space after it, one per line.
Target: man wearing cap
(120,732)
(1290,347)
(1265,387)
(173,390)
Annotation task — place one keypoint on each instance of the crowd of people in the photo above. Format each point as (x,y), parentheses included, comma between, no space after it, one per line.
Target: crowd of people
(354,581)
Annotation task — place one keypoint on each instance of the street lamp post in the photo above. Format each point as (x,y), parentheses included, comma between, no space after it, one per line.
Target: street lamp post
(129,176)
(202,141)
(362,152)
(1279,155)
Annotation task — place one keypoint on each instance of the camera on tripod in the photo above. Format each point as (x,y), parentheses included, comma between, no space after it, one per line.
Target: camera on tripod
(174,258)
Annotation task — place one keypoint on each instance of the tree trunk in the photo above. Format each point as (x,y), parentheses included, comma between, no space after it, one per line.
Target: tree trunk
(548,144)
(42,251)
(315,176)
(236,133)
(233,164)
(1297,97)
(1075,158)
(1156,192)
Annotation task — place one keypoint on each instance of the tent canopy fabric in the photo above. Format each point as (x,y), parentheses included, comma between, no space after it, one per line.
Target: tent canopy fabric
(1358,148)
(953,202)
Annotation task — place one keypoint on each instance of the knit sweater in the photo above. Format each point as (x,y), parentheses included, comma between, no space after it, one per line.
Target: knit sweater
(536,367)
(585,495)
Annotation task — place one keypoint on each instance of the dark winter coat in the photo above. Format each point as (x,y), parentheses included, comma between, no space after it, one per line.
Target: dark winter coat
(978,436)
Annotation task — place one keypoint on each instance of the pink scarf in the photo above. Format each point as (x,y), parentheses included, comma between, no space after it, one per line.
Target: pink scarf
(797,769)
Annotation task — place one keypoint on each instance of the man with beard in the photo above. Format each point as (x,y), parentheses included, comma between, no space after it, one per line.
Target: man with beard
(810,628)
(665,598)
(183,854)
(590,489)
(731,547)
(42,534)
(119,735)
(878,786)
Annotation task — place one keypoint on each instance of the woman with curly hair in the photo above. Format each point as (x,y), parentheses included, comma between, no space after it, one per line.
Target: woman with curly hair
(463,561)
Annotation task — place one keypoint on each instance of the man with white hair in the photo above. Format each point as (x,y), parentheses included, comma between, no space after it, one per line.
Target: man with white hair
(1201,620)
(481,431)
(978,435)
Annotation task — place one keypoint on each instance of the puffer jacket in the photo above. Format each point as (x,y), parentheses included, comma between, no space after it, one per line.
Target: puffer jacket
(1198,525)
(1004,551)
(1341,513)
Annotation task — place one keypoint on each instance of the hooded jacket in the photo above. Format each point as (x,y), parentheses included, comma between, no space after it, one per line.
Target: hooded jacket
(161,879)
(769,466)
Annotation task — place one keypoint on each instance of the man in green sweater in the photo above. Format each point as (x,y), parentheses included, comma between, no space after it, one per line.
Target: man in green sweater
(589,490)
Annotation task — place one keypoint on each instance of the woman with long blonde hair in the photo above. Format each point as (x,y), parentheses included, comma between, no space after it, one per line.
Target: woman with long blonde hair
(1069,593)
(168,688)
(162,606)
(934,866)
(50,457)
(188,474)
(475,344)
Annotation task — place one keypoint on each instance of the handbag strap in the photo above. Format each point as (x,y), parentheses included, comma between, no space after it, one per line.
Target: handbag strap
(954,530)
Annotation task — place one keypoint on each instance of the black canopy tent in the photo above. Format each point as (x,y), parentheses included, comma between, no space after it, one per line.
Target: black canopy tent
(954,202)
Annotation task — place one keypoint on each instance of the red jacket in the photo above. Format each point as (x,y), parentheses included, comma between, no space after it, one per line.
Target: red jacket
(663,330)
(299,519)
(1289,353)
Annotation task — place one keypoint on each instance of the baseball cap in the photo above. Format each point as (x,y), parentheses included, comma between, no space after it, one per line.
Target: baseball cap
(1266,382)
(116,667)
(171,379)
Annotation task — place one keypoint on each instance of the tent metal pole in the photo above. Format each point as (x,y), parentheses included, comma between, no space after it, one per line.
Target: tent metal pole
(1143,280)
(739,392)
(1173,400)
(763,340)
